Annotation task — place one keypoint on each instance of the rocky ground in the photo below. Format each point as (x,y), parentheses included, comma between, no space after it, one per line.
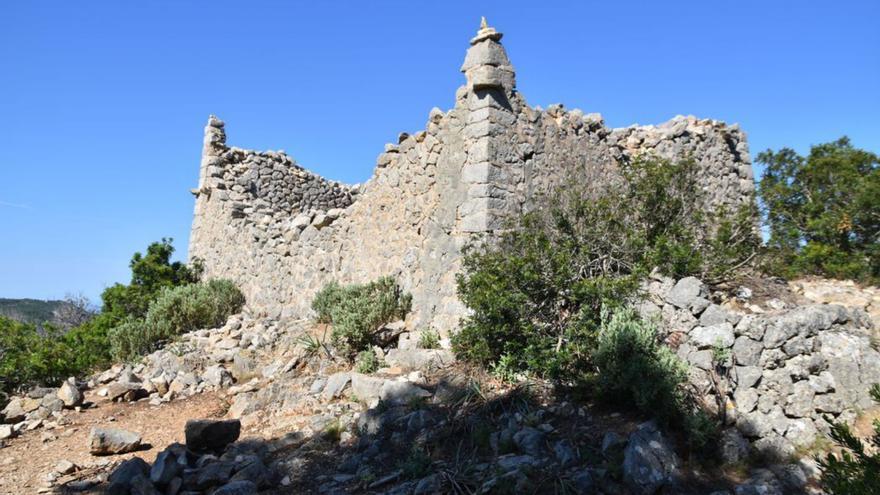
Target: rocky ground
(304,422)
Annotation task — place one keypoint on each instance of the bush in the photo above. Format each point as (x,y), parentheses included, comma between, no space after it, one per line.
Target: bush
(537,291)
(429,339)
(27,357)
(130,339)
(33,356)
(634,368)
(856,469)
(177,310)
(326,300)
(358,311)
(367,362)
(822,211)
(150,273)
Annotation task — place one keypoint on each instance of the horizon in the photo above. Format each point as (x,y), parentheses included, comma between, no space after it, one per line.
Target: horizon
(104,113)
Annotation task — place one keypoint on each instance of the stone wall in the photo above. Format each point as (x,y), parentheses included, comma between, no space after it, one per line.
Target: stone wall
(774,378)
(281,233)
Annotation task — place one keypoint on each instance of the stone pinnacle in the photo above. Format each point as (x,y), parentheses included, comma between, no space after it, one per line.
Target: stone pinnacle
(486,33)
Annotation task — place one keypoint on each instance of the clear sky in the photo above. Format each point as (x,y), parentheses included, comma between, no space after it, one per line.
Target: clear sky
(102,103)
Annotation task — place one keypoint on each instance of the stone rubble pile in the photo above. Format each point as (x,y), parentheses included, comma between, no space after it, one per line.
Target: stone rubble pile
(204,360)
(210,462)
(772,376)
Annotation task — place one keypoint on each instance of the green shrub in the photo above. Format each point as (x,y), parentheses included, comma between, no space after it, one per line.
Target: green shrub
(416,465)
(130,339)
(429,339)
(326,300)
(634,368)
(856,469)
(536,291)
(358,311)
(29,357)
(176,311)
(822,211)
(367,362)
(670,218)
(150,274)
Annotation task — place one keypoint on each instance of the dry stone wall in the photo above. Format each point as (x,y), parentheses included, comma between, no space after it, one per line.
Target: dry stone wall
(281,232)
(775,378)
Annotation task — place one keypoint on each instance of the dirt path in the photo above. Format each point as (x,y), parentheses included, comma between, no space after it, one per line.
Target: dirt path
(25,460)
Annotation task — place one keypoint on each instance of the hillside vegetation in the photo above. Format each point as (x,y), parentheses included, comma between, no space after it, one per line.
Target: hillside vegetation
(163,299)
(29,310)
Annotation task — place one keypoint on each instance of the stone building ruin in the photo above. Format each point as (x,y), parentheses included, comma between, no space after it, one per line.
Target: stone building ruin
(282,232)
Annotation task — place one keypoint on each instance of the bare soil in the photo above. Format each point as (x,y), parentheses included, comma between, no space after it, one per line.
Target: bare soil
(26,459)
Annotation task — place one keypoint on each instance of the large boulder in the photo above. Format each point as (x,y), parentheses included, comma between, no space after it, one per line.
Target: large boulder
(204,435)
(649,462)
(125,391)
(69,394)
(18,408)
(402,392)
(6,431)
(108,441)
(120,480)
(530,441)
(168,464)
(336,383)
(366,388)
(720,335)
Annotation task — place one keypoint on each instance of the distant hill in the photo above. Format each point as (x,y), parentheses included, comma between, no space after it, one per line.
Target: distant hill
(29,310)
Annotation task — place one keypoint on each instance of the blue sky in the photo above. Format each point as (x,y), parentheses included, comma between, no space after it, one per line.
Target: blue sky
(102,104)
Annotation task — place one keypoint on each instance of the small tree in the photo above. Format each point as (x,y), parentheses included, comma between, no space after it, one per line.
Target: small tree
(150,273)
(822,211)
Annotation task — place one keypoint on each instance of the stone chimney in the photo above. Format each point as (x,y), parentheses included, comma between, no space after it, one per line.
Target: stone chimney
(486,65)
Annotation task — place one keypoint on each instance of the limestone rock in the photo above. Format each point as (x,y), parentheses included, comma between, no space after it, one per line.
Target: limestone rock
(168,464)
(685,291)
(69,394)
(530,441)
(108,441)
(420,359)
(649,461)
(366,388)
(734,447)
(401,392)
(336,383)
(6,431)
(720,335)
(65,467)
(237,488)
